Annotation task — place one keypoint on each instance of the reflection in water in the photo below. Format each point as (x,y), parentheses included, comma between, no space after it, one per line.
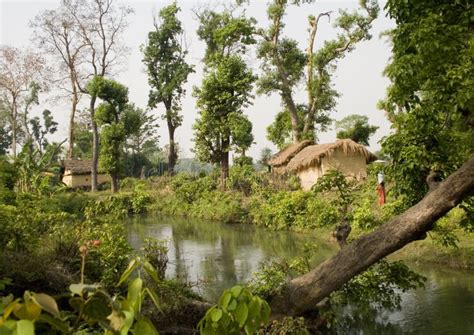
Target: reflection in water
(217,256)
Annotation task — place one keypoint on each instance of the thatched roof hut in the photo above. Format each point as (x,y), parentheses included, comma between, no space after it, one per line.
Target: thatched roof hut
(281,159)
(76,166)
(345,155)
(312,155)
(77,173)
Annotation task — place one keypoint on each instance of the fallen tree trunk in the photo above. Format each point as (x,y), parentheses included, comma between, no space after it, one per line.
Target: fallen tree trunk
(303,293)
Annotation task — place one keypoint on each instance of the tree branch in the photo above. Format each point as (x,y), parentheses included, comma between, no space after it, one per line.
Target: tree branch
(303,293)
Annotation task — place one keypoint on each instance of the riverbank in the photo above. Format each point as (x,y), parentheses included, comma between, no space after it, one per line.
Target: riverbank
(256,199)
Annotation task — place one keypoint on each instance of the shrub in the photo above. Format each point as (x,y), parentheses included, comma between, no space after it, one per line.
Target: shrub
(238,311)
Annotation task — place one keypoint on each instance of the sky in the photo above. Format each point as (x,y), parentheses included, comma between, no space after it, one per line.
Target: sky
(359,76)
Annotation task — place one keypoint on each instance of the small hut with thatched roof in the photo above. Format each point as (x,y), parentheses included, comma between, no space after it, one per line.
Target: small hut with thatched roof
(77,173)
(345,155)
(279,161)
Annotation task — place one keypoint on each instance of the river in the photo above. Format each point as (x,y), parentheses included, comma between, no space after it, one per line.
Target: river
(216,256)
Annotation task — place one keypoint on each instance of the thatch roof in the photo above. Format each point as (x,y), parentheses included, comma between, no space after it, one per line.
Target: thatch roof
(312,155)
(77,167)
(284,156)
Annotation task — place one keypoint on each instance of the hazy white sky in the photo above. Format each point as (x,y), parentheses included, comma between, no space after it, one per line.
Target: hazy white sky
(358,77)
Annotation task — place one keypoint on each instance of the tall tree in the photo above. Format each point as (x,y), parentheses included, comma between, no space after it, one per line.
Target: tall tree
(142,145)
(19,70)
(430,101)
(117,122)
(285,65)
(356,127)
(56,33)
(225,90)
(100,24)
(164,57)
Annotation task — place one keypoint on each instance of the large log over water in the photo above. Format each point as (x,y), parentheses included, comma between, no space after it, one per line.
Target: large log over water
(304,292)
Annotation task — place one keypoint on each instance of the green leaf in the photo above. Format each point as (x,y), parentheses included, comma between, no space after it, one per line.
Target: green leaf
(60,325)
(134,294)
(151,271)
(241,313)
(236,290)
(25,327)
(216,315)
(153,296)
(97,307)
(76,303)
(47,303)
(131,267)
(225,299)
(144,327)
(127,322)
(232,305)
(27,311)
(254,309)
(79,288)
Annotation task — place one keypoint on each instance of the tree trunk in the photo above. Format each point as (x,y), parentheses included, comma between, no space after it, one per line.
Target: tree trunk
(114,182)
(225,163)
(172,155)
(95,145)
(14,126)
(303,293)
(293,110)
(75,100)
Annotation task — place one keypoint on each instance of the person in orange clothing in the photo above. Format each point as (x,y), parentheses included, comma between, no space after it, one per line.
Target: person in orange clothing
(381,188)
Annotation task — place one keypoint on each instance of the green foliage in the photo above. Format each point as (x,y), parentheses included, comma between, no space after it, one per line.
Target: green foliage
(238,311)
(7,181)
(40,131)
(140,197)
(285,65)
(225,90)
(92,309)
(156,252)
(288,325)
(245,179)
(31,165)
(378,287)
(222,126)
(295,210)
(430,101)
(164,57)
(274,275)
(356,127)
(118,121)
(189,189)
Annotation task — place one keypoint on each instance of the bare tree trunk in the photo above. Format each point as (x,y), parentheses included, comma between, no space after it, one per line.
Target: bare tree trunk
(14,126)
(95,146)
(304,292)
(75,100)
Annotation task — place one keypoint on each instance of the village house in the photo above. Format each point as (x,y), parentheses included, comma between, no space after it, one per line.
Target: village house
(77,173)
(279,161)
(312,161)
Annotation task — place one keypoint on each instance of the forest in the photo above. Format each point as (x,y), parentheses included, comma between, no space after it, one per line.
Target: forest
(71,261)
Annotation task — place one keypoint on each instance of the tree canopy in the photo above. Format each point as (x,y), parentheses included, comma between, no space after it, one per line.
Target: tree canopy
(164,57)
(356,127)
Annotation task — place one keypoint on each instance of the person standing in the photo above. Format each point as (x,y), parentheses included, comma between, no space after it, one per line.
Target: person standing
(381,188)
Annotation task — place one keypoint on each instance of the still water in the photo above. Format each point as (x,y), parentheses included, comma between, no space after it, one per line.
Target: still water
(216,256)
